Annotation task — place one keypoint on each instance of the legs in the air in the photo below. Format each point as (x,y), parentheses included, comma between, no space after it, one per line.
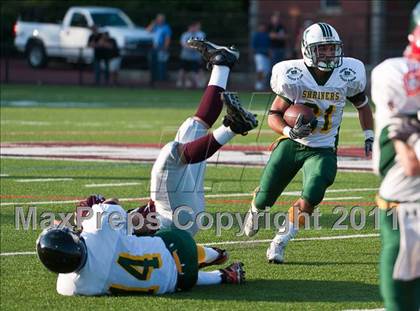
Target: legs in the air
(238,121)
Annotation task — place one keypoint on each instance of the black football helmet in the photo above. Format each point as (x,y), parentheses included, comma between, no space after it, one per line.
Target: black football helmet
(61,250)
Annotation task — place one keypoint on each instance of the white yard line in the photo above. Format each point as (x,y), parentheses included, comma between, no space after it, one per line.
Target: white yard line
(220,195)
(343,166)
(342,198)
(29,180)
(322,238)
(113,185)
(4,175)
(17,253)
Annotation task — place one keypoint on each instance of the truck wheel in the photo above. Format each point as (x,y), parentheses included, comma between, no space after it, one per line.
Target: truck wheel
(36,56)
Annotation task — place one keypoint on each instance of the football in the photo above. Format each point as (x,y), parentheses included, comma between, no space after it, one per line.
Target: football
(291,114)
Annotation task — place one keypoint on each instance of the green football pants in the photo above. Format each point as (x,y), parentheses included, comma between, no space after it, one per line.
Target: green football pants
(180,242)
(319,170)
(397,295)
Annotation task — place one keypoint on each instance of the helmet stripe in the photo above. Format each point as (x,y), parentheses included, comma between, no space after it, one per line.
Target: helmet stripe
(328,32)
(324,32)
(329,29)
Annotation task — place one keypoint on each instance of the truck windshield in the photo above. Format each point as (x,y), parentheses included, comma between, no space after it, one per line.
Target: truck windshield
(108,19)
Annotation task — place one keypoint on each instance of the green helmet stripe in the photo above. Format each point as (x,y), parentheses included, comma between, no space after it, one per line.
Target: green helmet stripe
(324,31)
(329,30)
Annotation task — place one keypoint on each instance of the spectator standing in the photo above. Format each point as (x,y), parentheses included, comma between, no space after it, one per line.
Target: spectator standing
(160,53)
(278,37)
(114,58)
(261,49)
(298,42)
(100,45)
(190,74)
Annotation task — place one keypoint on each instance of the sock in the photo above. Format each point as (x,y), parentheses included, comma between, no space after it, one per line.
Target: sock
(200,149)
(211,104)
(219,76)
(206,254)
(211,254)
(209,278)
(223,134)
(285,234)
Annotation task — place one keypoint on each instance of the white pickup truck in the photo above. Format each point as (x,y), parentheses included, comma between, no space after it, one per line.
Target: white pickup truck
(69,40)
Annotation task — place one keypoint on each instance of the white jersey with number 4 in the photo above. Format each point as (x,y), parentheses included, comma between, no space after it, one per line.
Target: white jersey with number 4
(395,92)
(292,80)
(118,261)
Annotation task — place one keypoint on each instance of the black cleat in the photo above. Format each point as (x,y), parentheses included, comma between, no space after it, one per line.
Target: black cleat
(233,274)
(214,54)
(238,119)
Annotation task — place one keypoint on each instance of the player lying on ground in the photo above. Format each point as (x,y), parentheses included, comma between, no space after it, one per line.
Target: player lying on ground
(103,258)
(177,178)
(396,94)
(314,81)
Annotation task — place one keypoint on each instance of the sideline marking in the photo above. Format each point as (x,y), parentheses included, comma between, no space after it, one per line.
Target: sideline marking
(29,180)
(113,185)
(220,195)
(322,238)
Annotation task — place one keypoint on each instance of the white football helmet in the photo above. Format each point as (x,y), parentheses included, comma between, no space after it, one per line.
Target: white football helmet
(313,37)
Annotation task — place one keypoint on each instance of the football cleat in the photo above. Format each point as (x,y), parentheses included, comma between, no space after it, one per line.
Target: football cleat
(238,119)
(251,222)
(221,259)
(233,274)
(214,54)
(275,252)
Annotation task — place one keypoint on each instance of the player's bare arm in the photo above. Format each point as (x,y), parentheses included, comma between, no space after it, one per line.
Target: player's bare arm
(361,103)
(275,115)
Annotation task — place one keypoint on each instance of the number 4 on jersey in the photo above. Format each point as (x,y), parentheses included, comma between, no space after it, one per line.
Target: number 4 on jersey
(141,267)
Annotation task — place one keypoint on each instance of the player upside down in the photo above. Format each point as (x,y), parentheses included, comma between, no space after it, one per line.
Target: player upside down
(107,260)
(177,178)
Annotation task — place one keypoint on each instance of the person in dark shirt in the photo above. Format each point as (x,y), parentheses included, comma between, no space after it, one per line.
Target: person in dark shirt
(113,57)
(100,45)
(278,37)
(261,49)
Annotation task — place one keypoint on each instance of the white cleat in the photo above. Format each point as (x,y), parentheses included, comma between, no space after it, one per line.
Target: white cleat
(251,222)
(275,253)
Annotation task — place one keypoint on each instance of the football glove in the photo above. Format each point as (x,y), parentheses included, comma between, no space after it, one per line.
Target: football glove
(301,130)
(91,200)
(144,211)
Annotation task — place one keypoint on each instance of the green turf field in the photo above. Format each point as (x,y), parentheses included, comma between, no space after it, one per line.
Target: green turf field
(319,274)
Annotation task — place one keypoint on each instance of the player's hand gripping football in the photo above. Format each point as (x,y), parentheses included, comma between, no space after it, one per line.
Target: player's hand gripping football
(301,130)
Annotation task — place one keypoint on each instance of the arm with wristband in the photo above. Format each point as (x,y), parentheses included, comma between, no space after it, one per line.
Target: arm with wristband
(361,103)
